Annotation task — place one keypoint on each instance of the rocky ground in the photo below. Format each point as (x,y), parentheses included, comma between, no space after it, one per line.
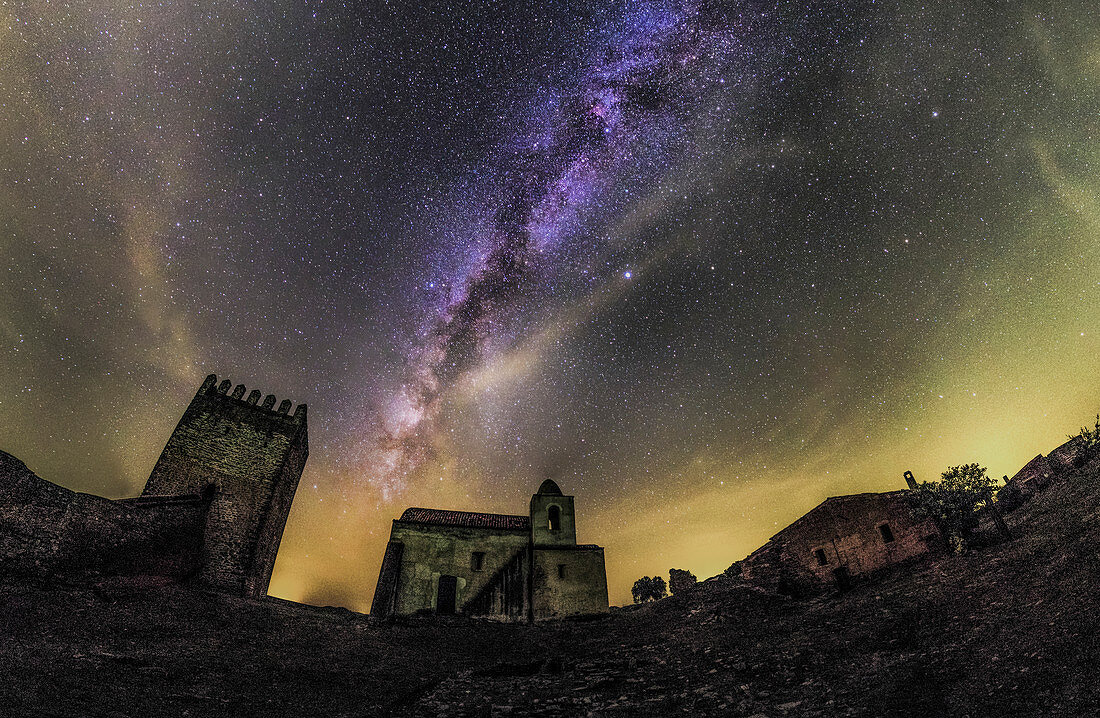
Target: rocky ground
(1010,630)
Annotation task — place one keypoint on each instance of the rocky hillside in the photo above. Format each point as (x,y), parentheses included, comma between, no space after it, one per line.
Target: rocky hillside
(1009,630)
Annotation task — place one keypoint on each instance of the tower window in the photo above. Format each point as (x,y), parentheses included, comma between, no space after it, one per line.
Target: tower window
(561,570)
(477,560)
(887,534)
(819,554)
(554,514)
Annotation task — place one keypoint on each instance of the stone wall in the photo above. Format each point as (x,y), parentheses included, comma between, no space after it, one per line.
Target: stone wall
(568,580)
(1037,474)
(252,454)
(845,537)
(49,531)
(504,595)
(1068,456)
(429,551)
(509,567)
(566,532)
(385,591)
(1029,480)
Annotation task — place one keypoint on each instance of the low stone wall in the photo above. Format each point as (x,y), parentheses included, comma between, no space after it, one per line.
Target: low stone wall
(430,551)
(1032,478)
(49,531)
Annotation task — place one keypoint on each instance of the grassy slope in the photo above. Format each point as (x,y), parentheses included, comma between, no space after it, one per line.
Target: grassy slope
(1009,630)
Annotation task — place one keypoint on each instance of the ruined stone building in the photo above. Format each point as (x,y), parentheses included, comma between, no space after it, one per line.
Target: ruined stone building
(212,511)
(841,540)
(515,567)
(1038,473)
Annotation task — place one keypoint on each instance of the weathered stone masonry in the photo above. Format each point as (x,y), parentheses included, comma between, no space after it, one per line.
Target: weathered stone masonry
(841,540)
(512,567)
(213,509)
(1038,473)
(47,530)
(250,457)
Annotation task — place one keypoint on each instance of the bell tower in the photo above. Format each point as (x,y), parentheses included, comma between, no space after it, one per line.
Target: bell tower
(553,521)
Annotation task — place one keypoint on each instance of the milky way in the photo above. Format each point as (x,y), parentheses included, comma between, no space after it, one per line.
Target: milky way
(657,74)
(702,263)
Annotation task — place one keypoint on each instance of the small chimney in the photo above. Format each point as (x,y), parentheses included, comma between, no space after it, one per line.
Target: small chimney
(912,482)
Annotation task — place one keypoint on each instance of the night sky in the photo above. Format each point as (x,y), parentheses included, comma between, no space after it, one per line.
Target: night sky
(703,263)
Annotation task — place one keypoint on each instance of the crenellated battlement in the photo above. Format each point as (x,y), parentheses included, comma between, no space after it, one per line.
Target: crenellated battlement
(211,388)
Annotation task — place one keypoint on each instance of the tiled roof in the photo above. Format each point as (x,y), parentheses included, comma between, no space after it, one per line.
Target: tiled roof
(469,519)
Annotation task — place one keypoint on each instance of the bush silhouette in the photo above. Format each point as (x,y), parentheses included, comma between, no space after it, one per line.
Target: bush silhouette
(954,500)
(649,588)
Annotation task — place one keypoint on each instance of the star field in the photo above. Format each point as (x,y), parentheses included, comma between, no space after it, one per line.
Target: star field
(703,263)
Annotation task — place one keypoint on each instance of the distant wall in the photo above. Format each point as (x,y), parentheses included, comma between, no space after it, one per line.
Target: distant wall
(1038,473)
(1029,480)
(48,530)
(1067,456)
(568,581)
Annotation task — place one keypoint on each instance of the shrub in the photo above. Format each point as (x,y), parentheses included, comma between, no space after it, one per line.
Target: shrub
(954,500)
(1090,439)
(679,580)
(649,588)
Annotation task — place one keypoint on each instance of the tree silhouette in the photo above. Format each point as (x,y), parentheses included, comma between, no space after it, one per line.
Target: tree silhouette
(1090,440)
(954,500)
(680,580)
(649,588)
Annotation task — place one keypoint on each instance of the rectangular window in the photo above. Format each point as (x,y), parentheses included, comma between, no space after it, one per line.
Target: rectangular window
(819,554)
(561,570)
(477,559)
(887,534)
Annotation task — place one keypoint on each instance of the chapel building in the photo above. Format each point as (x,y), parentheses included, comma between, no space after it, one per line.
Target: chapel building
(511,567)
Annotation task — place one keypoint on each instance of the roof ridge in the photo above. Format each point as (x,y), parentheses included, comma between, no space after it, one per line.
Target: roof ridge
(471,519)
(864,493)
(459,511)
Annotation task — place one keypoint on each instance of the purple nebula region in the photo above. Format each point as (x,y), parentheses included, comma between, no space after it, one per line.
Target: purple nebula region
(654,82)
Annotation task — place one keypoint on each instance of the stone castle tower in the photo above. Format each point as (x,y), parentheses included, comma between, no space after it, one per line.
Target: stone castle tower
(247,457)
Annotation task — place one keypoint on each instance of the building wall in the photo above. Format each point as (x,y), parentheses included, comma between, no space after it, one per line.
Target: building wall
(253,455)
(846,529)
(429,551)
(274,516)
(1067,455)
(505,595)
(385,591)
(532,569)
(582,589)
